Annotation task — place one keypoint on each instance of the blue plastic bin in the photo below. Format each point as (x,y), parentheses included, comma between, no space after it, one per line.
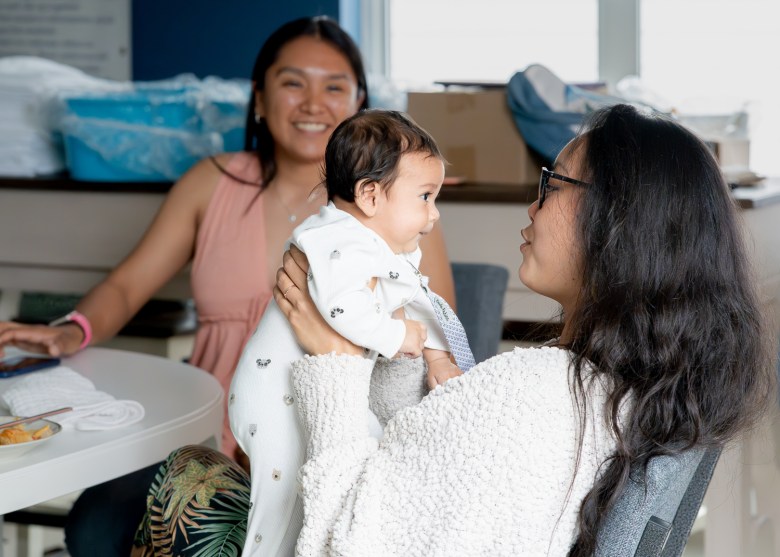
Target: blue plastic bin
(147,134)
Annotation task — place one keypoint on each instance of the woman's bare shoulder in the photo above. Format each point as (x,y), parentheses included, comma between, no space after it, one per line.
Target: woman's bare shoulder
(197,185)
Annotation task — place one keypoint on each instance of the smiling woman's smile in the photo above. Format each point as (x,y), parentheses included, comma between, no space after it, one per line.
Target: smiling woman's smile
(309,90)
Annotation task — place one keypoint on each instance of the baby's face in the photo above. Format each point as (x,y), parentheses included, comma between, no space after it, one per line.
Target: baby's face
(408,210)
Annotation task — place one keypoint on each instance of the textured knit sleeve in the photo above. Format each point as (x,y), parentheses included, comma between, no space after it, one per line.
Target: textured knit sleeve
(484,465)
(332,393)
(342,262)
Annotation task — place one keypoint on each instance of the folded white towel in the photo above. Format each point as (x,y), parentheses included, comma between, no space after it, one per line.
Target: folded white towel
(61,386)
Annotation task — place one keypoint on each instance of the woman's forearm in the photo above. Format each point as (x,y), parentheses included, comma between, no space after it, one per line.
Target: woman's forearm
(105,308)
(332,394)
(108,309)
(332,400)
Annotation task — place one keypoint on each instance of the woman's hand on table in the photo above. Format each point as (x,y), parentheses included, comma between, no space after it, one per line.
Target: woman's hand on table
(54,341)
(292,296)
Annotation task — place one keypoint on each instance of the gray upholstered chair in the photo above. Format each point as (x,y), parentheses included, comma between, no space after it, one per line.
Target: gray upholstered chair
(654,516)
(479,293)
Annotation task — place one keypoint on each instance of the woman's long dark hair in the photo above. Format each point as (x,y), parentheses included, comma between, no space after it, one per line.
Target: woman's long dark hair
(668,308)
(257,137)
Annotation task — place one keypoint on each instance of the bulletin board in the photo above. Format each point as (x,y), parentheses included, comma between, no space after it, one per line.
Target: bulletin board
(92,35)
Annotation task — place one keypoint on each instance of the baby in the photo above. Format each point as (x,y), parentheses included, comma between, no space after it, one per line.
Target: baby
(382,173)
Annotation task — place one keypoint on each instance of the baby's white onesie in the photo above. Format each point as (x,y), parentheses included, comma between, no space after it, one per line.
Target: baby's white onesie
(344,256)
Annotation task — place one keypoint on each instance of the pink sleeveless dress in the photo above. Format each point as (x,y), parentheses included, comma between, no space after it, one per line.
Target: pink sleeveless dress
(229,276)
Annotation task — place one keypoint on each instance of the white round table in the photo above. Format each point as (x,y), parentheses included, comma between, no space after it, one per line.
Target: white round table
(183,406)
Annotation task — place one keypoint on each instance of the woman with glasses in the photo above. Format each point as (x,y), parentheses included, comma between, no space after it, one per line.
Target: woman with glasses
(662,349)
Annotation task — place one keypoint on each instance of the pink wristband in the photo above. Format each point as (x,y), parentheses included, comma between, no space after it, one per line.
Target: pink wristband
(80,320)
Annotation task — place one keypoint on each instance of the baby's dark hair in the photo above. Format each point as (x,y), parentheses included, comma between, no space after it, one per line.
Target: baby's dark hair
(368,146)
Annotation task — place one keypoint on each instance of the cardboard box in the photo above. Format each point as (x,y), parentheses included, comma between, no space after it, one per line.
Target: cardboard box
(477,135)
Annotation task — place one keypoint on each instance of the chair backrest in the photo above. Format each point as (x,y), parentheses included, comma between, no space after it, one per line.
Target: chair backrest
(689,506)
(479,293)
(655,513)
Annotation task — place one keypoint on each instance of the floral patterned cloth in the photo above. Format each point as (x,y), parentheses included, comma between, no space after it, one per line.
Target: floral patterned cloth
(197,506)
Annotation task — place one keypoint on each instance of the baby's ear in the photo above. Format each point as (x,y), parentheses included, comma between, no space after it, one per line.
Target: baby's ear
(367,197)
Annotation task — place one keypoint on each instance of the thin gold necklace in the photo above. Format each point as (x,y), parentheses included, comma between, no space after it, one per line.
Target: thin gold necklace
(291,215)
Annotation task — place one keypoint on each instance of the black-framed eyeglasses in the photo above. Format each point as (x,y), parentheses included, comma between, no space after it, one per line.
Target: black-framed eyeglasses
(544,183)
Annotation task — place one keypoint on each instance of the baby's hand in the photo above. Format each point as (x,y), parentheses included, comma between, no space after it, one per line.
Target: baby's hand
(416,333)
(440,371)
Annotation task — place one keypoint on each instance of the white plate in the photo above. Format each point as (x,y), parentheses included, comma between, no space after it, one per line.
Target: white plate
(17,449)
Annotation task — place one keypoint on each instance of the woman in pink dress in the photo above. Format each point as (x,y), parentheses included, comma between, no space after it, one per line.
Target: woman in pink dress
(229,217)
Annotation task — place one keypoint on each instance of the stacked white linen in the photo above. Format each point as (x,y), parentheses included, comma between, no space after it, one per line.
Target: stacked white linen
(29,91)
(42,391)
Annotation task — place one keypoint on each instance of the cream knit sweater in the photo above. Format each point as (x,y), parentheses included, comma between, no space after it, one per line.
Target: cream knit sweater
(482,466)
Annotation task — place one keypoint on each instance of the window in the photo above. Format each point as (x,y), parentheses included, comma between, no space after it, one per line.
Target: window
(490,40)
(716,56)
(700,55)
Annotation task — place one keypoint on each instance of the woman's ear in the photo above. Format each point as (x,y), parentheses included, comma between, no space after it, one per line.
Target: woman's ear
(367,197)
(361,96)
